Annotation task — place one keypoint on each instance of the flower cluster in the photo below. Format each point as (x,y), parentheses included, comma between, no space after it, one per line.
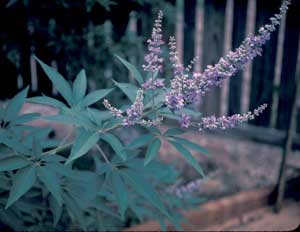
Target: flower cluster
(186,90)
(134,113)
(153,60)
(154,84)
(223,122)
(185,120)
(115,112)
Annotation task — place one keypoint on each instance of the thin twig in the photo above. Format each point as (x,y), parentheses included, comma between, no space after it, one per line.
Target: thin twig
(102,153)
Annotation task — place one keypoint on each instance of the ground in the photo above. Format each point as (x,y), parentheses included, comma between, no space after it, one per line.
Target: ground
(234,164)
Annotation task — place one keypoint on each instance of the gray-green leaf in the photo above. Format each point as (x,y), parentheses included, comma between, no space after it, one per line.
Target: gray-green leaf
(83,143)
(115,144)
(23,180)
(152,151)
(128,89)
(14,106)
(188,156)
(134,72)
(93,97)
(80,86)
(51,181)
(13,163)
(58,81)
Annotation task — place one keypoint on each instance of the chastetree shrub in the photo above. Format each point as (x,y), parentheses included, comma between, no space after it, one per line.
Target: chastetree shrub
(96,181)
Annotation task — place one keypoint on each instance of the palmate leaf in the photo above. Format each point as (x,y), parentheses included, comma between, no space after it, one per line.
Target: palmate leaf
(128,89)
(83,143)
(51,181)
(58,81)
(23,180)
(80,86)
(13,163)
(134,72)
(14,106)
(94,97)
(188,156)
(152,150)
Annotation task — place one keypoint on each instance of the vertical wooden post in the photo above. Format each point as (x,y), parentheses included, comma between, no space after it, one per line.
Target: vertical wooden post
(189,31)
(264,66)
(214,15)
(199,30)
(278,69)
(247,73)
(239,25)
(227,47)
(180,28)
(288,143)
(287,83)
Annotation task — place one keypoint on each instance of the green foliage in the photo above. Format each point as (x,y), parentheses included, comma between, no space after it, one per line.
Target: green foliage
(94,180)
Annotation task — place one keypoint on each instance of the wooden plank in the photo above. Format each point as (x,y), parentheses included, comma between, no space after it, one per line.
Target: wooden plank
(247,72)
(214,18)
(189,31)
(239,29)
(227,47)
(287,86)
(179,28)
(263,66)
(199,34)
(278,70)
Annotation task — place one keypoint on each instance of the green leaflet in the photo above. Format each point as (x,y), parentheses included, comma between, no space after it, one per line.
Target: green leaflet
(55,209)
(152,150)
(23,180)
(120,191)
(128,89)
(79,86)
(14,106)
(58,81)
(74,211)
(13,163)
(116,145)
(144,188)
(94,97)
(173,131)
(134,72)
(188,156)
(83,143)
(140,141)
(51,181)
(191,145)
(14,144)
(47,101)
(25,118)
(190,112)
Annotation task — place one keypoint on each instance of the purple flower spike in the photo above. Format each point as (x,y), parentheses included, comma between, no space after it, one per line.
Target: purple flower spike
(153,60)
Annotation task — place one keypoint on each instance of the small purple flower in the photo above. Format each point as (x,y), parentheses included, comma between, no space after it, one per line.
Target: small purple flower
(154,84)
(185,121)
